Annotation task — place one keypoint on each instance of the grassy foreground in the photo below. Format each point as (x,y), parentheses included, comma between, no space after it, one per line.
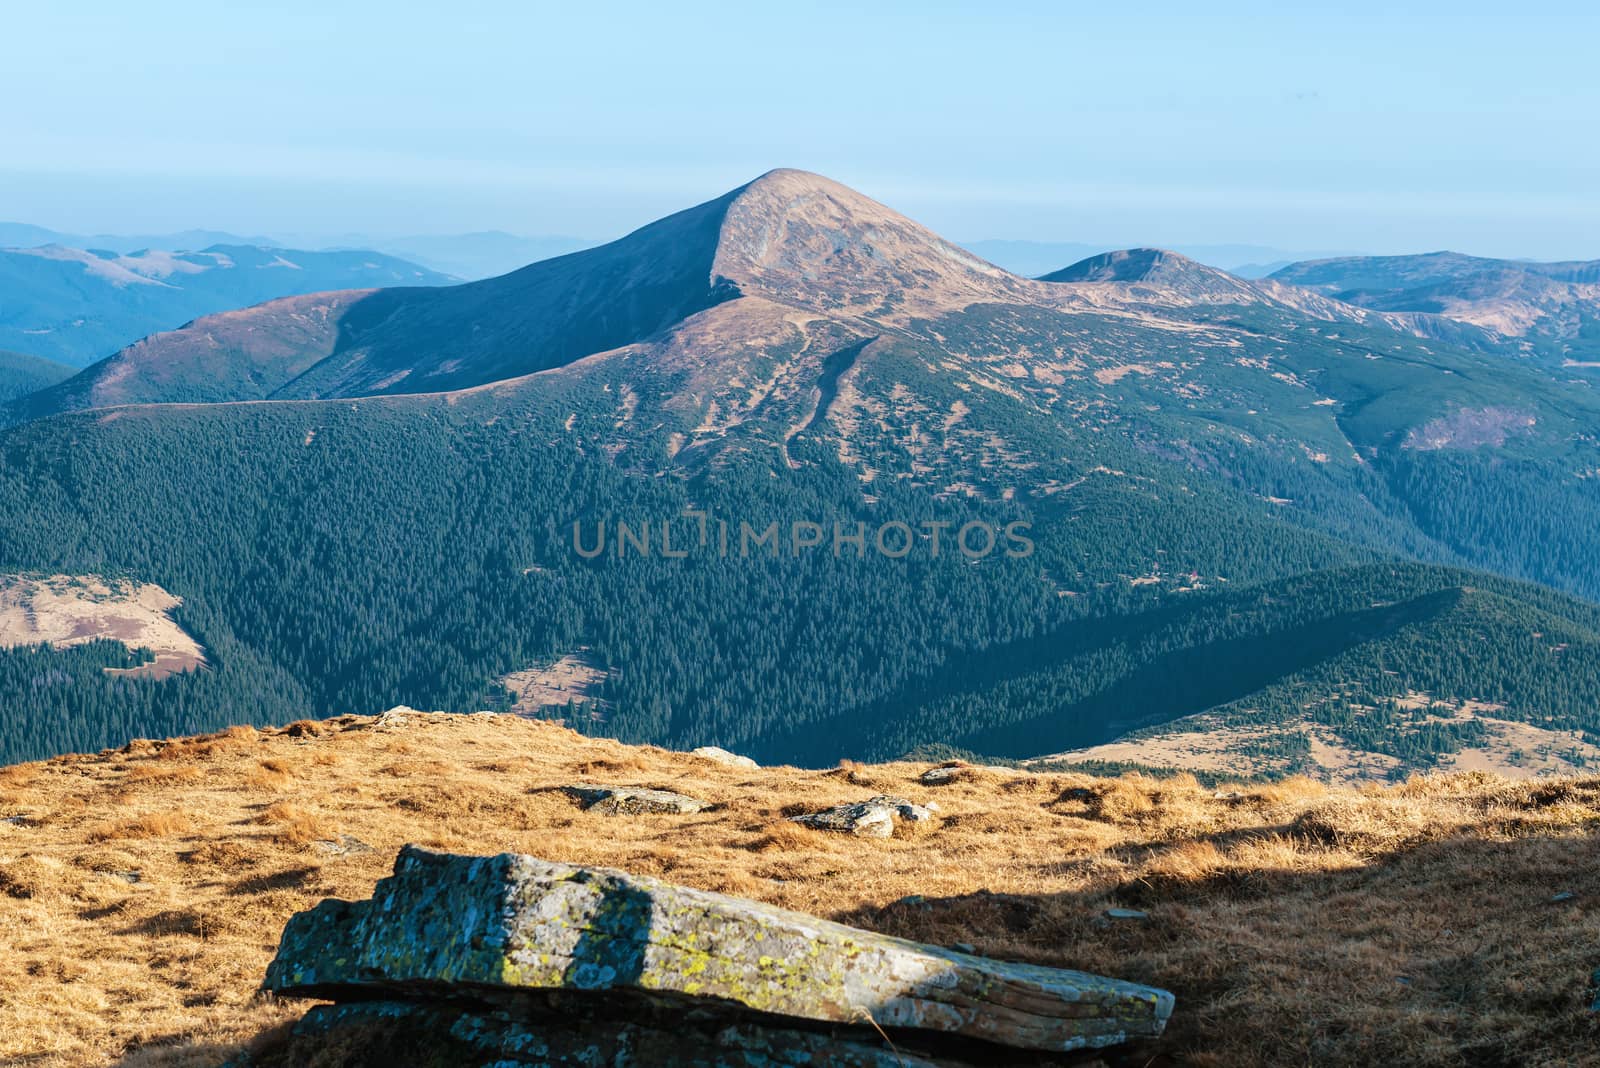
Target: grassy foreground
(142,890)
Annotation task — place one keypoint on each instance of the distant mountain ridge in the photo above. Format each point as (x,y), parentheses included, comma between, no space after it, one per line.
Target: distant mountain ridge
(26,235)
(789,238)
(1035,258)
(481,254)
(77,305)
(1549,311)
(758,240)
(1160,270)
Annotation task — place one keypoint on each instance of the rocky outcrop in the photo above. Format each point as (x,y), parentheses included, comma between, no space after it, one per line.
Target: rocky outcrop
(633,800)
(514,961)
(872,818)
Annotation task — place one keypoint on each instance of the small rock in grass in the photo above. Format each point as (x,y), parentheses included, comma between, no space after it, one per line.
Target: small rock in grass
(397,718)
(872,818)
(863,819)
(723,756)
(344,845)
(633,801)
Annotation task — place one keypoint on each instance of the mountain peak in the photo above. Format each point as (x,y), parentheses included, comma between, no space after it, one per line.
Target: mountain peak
(1127,265)
(808,241)
(1176,275)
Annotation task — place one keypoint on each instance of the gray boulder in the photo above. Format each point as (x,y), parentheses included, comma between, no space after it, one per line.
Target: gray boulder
(633,800)
(872,818)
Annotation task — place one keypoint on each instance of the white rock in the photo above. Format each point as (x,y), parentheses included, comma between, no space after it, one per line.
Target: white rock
(722,756)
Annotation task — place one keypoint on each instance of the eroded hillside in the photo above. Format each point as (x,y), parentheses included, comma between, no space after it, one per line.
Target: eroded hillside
(1450,919)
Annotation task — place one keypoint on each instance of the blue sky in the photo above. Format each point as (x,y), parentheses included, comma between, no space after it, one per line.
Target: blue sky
(1370,128)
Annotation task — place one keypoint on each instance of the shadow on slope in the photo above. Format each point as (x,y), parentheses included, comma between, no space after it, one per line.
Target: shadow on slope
(1439,926)
(1096,679)
(1441,950)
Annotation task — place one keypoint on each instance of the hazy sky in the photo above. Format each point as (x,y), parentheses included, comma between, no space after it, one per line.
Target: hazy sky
(1349,127)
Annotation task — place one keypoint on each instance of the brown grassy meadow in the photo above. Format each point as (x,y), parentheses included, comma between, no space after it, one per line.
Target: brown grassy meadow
(142,890)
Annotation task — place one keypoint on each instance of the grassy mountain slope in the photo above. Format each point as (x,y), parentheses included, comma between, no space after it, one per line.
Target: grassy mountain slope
(1342,649)
(1177,440)
(332,556)
(408,340)
(144,888)
(339,556)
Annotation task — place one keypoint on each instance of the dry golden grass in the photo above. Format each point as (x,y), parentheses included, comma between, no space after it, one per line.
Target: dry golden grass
(149,825)
(155,774)
(141,898)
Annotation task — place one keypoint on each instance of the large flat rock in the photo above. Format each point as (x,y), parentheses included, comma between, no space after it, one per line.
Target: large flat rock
(451,926)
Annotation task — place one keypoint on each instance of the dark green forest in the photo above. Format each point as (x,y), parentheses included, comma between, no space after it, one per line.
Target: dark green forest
(1242,501)
(21,375)
(347,557)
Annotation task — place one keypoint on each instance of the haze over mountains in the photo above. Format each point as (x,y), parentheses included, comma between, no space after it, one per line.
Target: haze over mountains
(472,255)
(487,253)
(26,235)
(1249,499)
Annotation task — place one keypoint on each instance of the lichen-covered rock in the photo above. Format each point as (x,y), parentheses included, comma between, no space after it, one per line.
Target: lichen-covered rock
(722,756)
(872,818)
(633,800)
(513,923)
